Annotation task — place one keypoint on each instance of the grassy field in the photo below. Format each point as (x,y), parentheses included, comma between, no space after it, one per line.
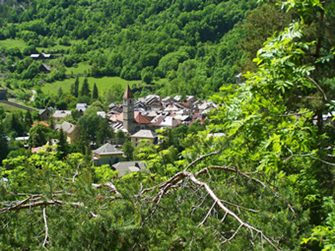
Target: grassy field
(9,108)
(81,68)
(103,84)
(13,43)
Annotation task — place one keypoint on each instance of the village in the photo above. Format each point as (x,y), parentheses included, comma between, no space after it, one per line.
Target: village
(138,119)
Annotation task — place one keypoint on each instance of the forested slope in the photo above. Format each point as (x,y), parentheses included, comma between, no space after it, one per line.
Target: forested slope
(190,44)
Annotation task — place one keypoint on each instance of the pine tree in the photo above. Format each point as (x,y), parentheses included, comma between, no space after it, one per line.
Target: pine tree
(75,88)
(85,89)
(62,147)
(28,120)
(95,94)
(3,144)
(60,92)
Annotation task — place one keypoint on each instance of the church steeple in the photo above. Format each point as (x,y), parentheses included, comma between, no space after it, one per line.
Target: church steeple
(128,110)
(128,93)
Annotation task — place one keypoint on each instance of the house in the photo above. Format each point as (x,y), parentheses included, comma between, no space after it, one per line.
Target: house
(71,131)
(143,135)
(81,107)
(23,140)
(45,68)
(102,114)
(107,154)
(44,114)
(61,114)
(40,56)
(35,56)
(169,121)
(125,167)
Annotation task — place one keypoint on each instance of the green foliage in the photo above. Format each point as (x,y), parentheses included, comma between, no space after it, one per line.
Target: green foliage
(85,89)
(39,135)
(324,235)
(95,93)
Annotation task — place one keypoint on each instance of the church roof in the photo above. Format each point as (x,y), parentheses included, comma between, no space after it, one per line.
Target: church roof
(128,93)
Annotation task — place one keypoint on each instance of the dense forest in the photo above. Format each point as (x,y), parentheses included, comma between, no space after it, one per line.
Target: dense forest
(266,183)
(176,46)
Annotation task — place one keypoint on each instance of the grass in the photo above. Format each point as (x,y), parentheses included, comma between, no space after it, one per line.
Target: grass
(9,108)
(13,43)
(81,68)
(104,84)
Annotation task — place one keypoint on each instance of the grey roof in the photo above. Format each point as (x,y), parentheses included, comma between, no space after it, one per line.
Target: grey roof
(61,113)
(81,107)
(108,149)
(148,134)
(125,167)
(66,127)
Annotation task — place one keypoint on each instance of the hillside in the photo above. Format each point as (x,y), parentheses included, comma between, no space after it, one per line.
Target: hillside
(190,44)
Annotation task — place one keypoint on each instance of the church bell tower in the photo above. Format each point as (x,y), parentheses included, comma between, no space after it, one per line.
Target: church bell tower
(128,110)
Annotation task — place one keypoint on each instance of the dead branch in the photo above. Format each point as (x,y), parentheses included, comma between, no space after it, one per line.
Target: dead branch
(319,88)
(181,176)
(201,158)
(207,215)
(232,170)
(109,185)
(24,204)
(46,237)
(240,207)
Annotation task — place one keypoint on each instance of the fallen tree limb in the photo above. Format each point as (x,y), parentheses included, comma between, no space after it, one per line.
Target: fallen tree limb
(109,185)
(201,158)
(232,170)
(46,229)
(181,176)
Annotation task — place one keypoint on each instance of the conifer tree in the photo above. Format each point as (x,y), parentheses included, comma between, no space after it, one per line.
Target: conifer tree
(28,120)
(95,94)
(60,92)
(3,144)
(75,88)
(62,146)
(85,89)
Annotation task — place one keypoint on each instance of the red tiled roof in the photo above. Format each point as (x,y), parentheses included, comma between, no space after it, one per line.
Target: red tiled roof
(140,119)
(40,123)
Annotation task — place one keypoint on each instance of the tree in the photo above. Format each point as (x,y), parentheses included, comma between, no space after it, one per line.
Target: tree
(28,120)
(85,89)
(60,92)
(128,150)
(62,146)
(39,135)
(95,94)
(75,88)
(3,144)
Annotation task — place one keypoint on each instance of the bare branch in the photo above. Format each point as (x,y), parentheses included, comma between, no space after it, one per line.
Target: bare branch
(179,177)
(319,88)
(208,214)
(109,185)
(201,158)
(230,169)
(23,204)
(46,237)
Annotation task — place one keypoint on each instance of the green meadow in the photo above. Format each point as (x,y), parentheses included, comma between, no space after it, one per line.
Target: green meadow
(13,43)
(81,68)
(103,84)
